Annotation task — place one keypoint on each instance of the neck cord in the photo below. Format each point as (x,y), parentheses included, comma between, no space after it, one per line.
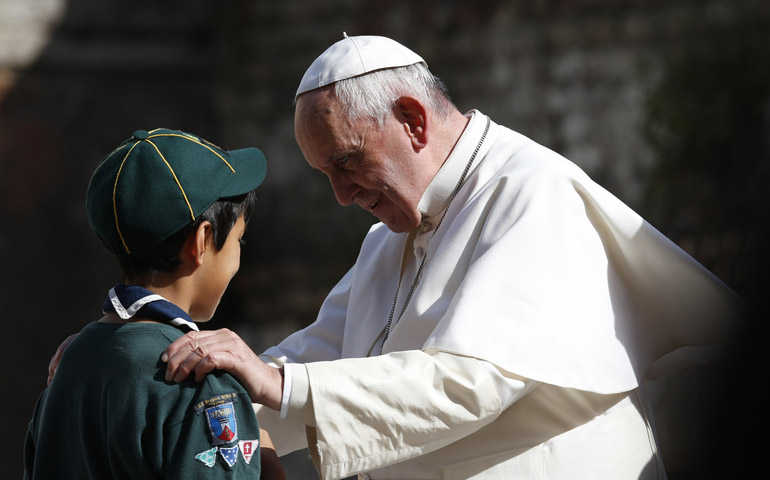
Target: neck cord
(418,275)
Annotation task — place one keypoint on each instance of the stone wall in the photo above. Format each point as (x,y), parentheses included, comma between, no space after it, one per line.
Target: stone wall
(78,76)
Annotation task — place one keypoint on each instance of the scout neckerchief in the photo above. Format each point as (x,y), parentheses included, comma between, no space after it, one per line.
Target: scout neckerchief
(129,301)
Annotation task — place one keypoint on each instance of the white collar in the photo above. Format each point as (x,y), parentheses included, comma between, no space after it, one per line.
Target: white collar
(436,196)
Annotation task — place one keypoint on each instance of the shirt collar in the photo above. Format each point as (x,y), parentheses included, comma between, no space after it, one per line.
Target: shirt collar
(437,194)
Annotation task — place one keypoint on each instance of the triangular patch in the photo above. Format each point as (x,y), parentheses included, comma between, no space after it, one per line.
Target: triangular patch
(230,454)
(248,447)
(208,458)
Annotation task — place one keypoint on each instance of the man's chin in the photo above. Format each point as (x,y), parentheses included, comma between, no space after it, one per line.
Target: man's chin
(399,227)
(401,224)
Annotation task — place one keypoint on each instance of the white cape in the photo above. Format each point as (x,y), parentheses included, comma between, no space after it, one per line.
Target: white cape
(538,270)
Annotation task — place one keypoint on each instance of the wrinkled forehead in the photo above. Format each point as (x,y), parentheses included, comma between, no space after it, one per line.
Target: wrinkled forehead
(320,112)
(319,128)
(313,108)
(322,101)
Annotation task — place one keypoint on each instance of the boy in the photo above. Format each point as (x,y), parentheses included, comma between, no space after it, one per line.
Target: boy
(173,209)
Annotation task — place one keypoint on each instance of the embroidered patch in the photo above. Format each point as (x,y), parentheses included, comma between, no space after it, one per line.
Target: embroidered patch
(229,454)
(220,418)
(248,447)
(208,457)
(216,400)
(222,424)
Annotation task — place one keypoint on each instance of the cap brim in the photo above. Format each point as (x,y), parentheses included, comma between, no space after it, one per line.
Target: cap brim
(250,169)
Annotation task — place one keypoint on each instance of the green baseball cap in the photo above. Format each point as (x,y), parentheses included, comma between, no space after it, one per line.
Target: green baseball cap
(158,182)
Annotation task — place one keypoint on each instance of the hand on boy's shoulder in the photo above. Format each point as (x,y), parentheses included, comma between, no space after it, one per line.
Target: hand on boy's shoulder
(198,353)
(54,363)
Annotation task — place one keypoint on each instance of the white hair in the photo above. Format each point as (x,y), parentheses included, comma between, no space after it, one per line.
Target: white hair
(374,94)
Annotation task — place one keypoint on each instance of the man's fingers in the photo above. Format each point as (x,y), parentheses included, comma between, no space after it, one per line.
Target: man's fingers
(198,352)
(177,354)
(201,362)
(186,343)
(54,363)
(183,362)
(207,364)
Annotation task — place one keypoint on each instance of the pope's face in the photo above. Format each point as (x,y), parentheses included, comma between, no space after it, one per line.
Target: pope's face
(375,168)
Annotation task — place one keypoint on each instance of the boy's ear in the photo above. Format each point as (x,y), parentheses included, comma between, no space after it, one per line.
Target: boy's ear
(199,242)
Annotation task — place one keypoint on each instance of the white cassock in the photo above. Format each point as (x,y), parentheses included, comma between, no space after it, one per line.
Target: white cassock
(543,303)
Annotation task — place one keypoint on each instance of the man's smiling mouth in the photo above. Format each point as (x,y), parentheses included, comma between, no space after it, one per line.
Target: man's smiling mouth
(374,204)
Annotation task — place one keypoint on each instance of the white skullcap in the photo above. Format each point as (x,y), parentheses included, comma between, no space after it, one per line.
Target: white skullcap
(354,56)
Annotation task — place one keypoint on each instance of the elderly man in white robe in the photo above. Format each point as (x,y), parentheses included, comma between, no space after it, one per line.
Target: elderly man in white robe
(498,323)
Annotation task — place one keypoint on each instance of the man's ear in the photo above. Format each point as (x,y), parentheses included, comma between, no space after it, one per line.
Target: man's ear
(412,113)
(199,242)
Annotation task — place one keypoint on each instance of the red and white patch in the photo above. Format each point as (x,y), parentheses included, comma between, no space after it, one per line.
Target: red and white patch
(248,447)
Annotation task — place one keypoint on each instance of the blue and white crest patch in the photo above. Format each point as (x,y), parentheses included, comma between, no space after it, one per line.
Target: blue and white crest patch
(222,424)
(220,418)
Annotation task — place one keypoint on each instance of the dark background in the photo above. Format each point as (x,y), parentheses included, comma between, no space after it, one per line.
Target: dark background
(664,102)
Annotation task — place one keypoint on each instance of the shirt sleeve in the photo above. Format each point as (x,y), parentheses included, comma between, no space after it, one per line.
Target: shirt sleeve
(218,437)
(377,411)
(322,340)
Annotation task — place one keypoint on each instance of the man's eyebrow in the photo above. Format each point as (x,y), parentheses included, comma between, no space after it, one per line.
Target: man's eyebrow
(336,156)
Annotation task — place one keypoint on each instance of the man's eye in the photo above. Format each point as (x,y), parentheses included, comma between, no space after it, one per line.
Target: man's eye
(341,161)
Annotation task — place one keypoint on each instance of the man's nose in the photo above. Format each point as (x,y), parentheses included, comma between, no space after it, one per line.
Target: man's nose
(344,189)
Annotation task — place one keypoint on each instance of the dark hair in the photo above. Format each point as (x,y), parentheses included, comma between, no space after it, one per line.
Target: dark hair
(164,257)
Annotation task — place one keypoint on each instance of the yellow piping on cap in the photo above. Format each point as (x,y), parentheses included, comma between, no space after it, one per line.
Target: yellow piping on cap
(114,194)
(194,141)
(103,162)
(181,189)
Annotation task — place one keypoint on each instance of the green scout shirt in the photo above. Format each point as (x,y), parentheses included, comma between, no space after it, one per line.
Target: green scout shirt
(109,413)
